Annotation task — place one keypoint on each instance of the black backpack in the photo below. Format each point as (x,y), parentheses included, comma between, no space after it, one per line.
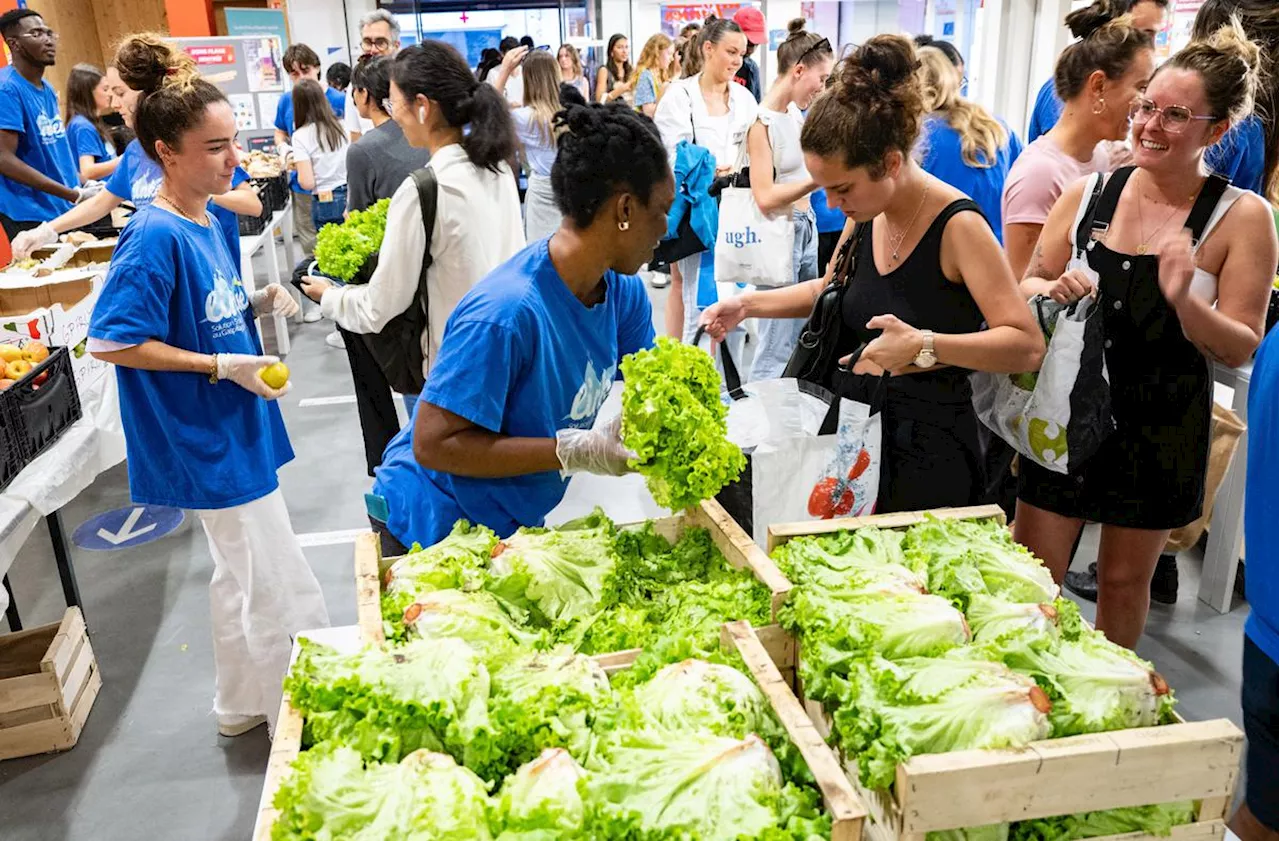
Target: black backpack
(398,347)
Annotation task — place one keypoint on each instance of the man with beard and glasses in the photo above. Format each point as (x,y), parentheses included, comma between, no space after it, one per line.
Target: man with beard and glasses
(38,175)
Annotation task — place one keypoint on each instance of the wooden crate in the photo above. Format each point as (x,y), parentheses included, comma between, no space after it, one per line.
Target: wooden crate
(1137,767)
(759,649)
(738,548)
(48,682)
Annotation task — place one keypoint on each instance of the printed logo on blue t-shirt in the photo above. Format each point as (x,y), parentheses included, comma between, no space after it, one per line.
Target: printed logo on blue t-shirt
(146,185)
(592,393)
(222,306)
(50,128)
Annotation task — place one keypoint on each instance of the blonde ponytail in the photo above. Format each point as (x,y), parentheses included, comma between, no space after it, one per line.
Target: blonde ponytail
(982,136)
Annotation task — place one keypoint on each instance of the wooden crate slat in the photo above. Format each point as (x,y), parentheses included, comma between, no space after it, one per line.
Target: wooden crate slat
(617,661)
(84,703)
(846,812)
(71,632)
(22,651)
(1123,768)
(285,747)
(369,588)
(780,533)
(77,673)
(39,737)
(19,693)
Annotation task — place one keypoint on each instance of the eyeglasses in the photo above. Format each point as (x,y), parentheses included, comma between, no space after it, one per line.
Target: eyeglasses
(822,46)
(1173,118)
(375,43)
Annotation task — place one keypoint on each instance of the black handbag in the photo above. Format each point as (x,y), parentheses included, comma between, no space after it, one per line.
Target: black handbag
(819,348)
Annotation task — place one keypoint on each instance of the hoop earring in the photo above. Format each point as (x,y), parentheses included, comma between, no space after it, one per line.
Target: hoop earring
(624,226)
(1100,106)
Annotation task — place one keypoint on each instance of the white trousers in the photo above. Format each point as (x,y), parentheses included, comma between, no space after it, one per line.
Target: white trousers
(262,593)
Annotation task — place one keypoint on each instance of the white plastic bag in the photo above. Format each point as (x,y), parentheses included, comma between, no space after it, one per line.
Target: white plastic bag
(753,248)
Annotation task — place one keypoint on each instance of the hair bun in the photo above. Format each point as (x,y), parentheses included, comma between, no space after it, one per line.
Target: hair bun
(1231,40)
(1084,22)
(147,62)
(795,27)
(880,65)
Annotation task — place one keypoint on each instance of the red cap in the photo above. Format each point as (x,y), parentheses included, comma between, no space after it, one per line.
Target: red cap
(752,24)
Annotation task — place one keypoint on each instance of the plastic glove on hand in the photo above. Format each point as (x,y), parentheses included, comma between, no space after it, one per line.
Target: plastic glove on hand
(274,299)
(592,451)
(88,190)
(242,369)
(27,241)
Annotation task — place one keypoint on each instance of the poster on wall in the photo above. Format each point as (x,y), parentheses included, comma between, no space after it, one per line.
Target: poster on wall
(242,67)
(265,64)
(263,23)
(676,17)
(246,113)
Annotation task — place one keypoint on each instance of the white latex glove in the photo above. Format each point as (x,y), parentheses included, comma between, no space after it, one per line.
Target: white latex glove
(88,190)
(586,450)
(27,241)
(274,299)
(242,369)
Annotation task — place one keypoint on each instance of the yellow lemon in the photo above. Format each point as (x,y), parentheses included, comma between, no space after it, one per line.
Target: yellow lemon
(275,375)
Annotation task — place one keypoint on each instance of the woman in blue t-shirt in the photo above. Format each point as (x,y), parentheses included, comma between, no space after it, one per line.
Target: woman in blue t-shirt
(88,98)
(960,142)
(530,353)
(201,426)
(135,180)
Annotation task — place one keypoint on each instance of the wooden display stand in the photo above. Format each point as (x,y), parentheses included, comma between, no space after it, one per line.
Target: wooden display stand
(738,549)
(48,682)
(1137,767)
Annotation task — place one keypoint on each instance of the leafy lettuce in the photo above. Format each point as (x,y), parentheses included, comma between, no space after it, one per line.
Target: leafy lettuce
(697,695)
(475,618)
(867,561)
(991,618)
(426,796)
(1152,820)
(456,563)
(675,423)
(342,249)
(541,801)
(977,556)
(427,694)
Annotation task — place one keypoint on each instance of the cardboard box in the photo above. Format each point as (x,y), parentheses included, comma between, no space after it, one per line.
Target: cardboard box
(54,310)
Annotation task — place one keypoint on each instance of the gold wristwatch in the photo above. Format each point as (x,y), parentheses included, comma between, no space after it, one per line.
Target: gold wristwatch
(926,357)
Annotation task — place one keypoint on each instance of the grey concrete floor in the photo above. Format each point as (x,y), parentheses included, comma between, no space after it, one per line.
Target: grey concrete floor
(150,764)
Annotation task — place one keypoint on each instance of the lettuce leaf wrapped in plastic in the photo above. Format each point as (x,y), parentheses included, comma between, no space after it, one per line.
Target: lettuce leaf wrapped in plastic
(1095,685)
(978,556)
(475,618)
(542,801)
(557,575)
(426,796)
(675,423)
(1153,820)
(545,700)
(430,694)
(892,711)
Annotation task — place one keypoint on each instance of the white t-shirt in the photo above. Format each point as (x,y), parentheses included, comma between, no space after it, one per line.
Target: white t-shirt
(352,120)
(330,167)
(784,137)
(515,85)
(477,228)
(682,115)
(540,152)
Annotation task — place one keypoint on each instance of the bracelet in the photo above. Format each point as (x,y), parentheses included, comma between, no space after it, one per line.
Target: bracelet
(213,370)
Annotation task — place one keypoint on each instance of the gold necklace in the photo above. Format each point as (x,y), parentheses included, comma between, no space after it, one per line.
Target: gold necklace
(204,223)
(897,241)
(1145,239)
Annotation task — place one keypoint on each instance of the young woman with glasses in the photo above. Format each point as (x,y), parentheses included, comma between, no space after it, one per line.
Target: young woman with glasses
(1181,266)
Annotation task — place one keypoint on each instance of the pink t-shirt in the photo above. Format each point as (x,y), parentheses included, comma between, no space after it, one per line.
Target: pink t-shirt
(1039,175)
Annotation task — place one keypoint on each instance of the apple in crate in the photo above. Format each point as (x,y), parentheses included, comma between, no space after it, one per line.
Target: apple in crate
(17,369)
(5,383)
(9,353)
(35,352)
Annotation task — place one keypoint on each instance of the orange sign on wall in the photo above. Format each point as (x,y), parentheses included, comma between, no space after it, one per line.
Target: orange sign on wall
(221,54)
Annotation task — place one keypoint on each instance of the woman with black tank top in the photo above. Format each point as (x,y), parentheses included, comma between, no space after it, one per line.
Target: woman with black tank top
(922,274)
(1181,264)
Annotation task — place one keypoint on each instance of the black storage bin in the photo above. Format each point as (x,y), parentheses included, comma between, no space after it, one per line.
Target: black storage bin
(36,410)
(274,191)
(253,225)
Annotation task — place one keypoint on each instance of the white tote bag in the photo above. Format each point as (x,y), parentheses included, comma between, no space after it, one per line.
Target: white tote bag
(811,455)
(752,247)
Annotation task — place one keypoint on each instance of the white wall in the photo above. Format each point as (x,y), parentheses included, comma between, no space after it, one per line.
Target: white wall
(321,25)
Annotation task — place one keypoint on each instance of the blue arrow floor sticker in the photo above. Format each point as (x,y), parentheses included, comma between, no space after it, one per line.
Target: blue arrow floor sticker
(126,527)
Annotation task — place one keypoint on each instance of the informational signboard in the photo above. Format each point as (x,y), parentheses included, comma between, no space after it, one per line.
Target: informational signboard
(676,16)
(257,23)
(250,71)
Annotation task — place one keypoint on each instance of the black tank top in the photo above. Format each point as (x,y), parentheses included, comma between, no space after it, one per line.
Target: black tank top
(920,294)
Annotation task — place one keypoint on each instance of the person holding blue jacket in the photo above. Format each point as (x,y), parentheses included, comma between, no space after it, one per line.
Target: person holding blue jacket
(530,353)
(202,428)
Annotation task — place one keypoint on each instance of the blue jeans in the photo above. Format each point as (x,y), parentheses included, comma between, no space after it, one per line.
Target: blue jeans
(778,336)
(326,212)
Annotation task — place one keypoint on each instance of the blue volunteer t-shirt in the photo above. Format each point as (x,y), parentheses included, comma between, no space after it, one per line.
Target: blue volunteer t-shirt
(138,178)
(284,120)
(191,444)
(1045,113)
(86,140)
(521,356)
(829,219)
(1240,154)
(1262,548)
(943,158)
(32,113)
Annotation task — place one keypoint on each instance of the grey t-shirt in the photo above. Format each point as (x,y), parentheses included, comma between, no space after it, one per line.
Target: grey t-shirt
(378,163)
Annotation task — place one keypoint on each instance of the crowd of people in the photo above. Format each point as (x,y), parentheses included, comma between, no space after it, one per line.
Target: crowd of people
(1150,187)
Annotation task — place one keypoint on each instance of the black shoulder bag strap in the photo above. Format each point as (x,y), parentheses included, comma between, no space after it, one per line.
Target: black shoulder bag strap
(428,191)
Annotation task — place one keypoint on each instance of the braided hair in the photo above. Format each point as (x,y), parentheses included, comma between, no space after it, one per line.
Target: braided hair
(604,149)
(437,71)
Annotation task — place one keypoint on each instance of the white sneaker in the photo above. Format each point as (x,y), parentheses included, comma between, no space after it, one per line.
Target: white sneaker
(657,280)
(237,725)
(312,315)
(334,340)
